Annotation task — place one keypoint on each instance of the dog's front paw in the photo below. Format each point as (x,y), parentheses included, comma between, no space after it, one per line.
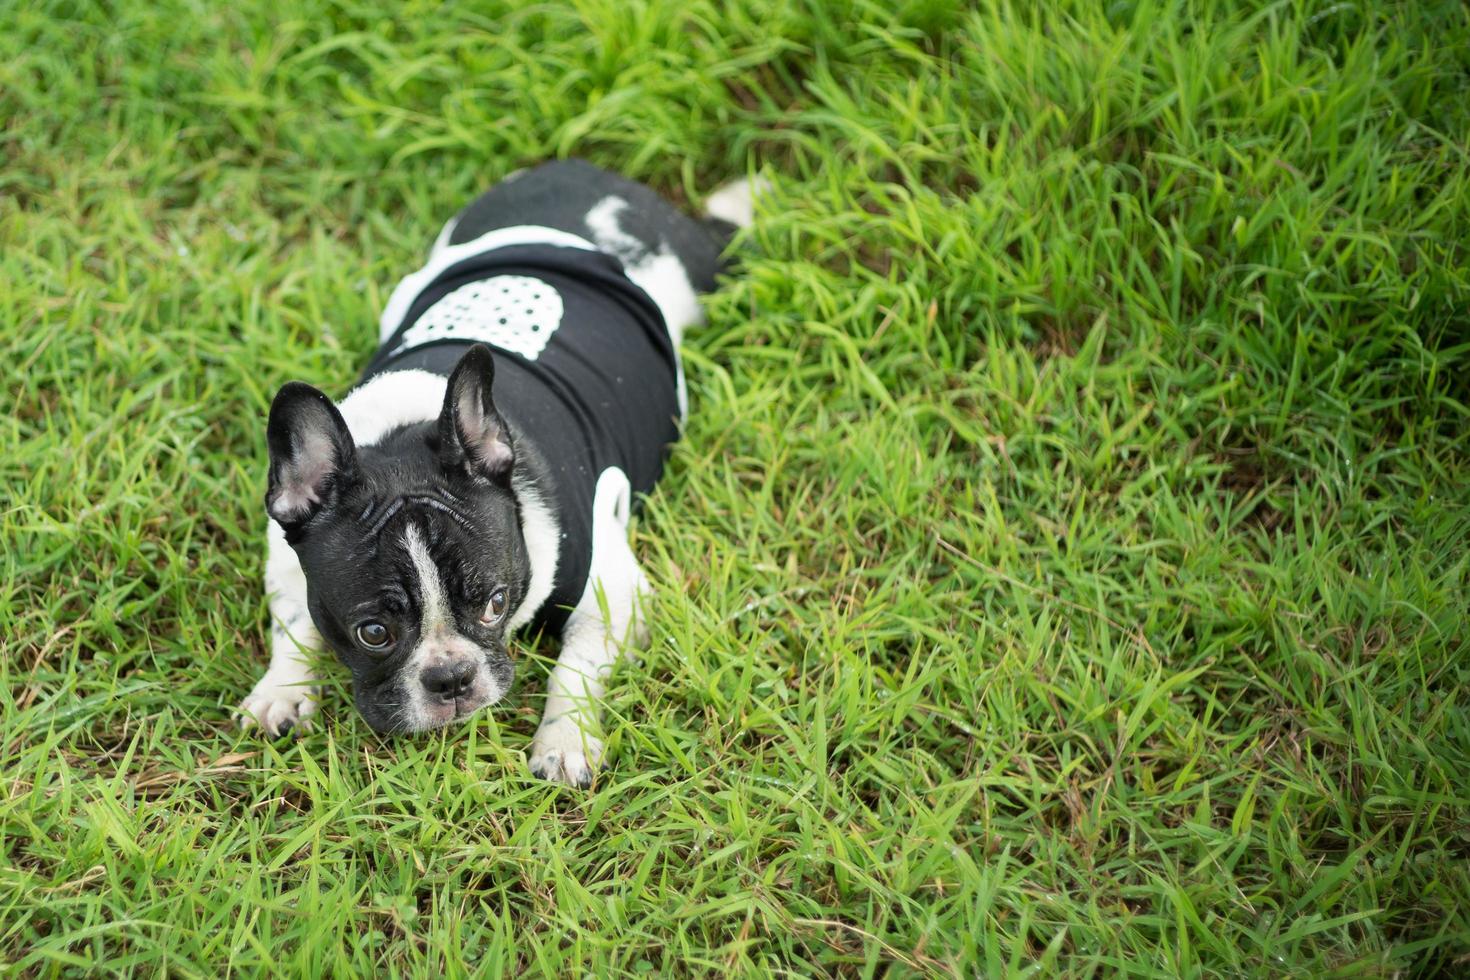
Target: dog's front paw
(279,705)
(563,753)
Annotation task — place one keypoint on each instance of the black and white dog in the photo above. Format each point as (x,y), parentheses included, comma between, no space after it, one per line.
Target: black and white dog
(480,477)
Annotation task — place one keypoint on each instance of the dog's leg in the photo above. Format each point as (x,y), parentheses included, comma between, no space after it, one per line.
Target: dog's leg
(285,697)
(734,203)
(566,747)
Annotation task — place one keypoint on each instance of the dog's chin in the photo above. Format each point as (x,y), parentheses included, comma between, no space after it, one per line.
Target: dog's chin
(444,713)
(427,717)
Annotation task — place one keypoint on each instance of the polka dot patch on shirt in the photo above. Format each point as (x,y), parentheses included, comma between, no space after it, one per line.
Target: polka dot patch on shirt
(514,313)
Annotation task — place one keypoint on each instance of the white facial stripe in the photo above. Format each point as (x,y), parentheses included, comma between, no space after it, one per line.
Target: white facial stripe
(439,642)
(433,617)
(436,614)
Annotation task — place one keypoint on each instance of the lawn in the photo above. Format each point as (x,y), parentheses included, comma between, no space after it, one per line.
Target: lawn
(1064,570)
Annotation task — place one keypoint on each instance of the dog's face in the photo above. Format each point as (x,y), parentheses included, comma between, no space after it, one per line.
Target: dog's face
(412,549)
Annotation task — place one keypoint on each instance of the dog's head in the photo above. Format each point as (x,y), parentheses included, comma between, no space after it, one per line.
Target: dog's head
(412,549)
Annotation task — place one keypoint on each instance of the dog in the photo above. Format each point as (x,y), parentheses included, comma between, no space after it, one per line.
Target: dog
(480,478)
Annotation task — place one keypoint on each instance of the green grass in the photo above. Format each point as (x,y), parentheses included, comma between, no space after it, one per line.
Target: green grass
(1065,569)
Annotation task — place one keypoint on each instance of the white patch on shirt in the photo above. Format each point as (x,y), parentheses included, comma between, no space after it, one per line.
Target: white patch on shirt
(411,285)
(514,313)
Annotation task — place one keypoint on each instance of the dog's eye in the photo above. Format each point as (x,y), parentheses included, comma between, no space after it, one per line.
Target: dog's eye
(495,611)
(374,636)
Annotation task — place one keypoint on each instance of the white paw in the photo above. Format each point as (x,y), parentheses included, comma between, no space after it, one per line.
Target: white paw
(279,704)
(563,753)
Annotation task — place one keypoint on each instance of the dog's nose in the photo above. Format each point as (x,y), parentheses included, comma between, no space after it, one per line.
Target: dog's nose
(449,681)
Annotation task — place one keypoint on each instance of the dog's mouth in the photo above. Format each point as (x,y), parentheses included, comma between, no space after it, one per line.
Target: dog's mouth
(410,702)
(464,707)
(439,714)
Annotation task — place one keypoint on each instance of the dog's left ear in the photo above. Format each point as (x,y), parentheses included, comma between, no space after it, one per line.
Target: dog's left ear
(472,433)
(312,455)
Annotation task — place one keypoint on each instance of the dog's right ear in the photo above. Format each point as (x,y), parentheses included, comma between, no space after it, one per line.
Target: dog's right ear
(472,433)
(312,454)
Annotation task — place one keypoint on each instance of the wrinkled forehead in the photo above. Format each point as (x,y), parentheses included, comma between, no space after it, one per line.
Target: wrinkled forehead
(388,546)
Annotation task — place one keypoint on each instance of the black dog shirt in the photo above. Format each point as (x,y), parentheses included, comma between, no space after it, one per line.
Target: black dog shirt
(584,365)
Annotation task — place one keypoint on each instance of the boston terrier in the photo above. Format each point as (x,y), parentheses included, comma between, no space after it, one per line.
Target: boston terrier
(479,479)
